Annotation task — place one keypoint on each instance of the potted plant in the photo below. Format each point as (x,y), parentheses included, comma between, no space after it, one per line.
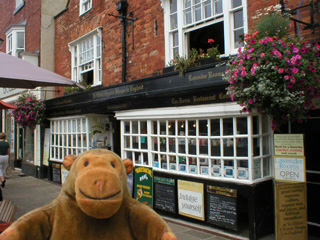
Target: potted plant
(30,111)
(275,76)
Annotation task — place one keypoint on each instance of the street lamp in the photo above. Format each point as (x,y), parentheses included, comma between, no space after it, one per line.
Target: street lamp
(1,42)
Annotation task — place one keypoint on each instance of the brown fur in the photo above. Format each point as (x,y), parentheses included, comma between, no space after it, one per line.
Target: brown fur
(94,203)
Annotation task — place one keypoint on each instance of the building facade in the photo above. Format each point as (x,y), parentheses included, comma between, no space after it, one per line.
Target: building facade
(184,127)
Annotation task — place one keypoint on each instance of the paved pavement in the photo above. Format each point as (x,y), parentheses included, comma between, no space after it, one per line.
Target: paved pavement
(29,193)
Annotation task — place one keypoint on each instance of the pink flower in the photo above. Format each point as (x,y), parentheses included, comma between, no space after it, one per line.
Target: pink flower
(250,101)
(262,55)
(243,73)
(280,70)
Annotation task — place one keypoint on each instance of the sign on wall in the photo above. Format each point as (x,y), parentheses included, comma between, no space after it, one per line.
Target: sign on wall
(165,194)
(288,144)
(190,199)
(291,209)
(289,168)
(143,189)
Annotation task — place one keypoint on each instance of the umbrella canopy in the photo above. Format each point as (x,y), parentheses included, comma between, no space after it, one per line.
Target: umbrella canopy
(4,105)
(17,73)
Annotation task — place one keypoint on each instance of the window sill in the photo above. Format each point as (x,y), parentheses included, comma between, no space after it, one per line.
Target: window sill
(18,8)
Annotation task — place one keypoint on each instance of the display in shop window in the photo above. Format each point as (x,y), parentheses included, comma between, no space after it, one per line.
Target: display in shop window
(228,172)
(182,167)
(173,166)
(193,169)
(204,170)
(243,173)
(216,170)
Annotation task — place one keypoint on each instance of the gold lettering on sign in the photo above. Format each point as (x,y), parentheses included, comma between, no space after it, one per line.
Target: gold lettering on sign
(223,96)
(213,75)
(136,88)
(204,99)
(199,77)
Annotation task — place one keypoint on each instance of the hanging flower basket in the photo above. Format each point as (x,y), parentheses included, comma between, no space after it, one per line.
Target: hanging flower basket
(276,77)
(30,111)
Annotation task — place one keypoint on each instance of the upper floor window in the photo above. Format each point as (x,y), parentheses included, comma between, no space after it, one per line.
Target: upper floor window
(15,36)
(86,58)
(190,23)
(85,5)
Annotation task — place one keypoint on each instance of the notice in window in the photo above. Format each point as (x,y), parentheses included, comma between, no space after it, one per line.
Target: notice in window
(288,144)
(190,199)
(291,209)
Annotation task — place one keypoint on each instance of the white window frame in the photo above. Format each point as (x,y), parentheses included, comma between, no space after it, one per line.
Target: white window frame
(68,135)
(85,6)
(12,40)
(19,3)
(226,16)
(142,146)
(95,63)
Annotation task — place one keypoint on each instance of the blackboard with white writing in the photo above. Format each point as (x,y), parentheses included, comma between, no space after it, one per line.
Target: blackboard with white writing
(56,173)
(222,207)
(165,194)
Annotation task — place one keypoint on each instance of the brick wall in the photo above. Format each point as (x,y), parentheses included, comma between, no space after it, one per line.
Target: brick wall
(29,13)
(253,6)
(144,59)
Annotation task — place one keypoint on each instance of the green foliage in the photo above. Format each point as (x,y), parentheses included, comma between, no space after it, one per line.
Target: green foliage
(273,25)
(75,89)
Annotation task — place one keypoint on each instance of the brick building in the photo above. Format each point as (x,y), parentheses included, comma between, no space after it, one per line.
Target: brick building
(182,126)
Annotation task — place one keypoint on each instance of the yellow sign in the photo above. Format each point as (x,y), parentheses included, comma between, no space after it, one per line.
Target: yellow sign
(291,211)
(288,144)
(190,199)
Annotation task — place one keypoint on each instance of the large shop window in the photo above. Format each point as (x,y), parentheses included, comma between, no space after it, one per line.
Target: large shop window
(15,40)
(235,148)
(75,135)
(190,23)
(86,58)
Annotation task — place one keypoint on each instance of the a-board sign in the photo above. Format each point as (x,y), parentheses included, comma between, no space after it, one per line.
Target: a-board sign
(222,207)
(288,144)
(56,173)
(291,211)
(165,194)
(143,189)
(190,199)
(288,168)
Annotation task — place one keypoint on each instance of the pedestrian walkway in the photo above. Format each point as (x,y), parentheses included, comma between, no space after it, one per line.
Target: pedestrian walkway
(29,193)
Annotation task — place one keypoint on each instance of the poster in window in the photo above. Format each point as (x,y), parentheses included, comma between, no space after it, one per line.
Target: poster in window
(190,199)
(143,188)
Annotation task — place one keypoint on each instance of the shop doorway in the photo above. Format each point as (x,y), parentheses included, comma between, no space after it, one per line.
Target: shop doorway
(311,129)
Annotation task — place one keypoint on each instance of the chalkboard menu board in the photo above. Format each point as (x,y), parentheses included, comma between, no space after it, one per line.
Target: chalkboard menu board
(222,207)
(56,173)
(165,194)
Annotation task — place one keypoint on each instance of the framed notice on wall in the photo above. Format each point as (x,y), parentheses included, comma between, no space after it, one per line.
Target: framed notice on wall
(288,144)
(290,169)
(190,199)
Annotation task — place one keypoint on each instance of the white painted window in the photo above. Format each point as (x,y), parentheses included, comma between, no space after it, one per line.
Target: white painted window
(85,5)
(190,23)
(231,147)
(86,58)
(15,40)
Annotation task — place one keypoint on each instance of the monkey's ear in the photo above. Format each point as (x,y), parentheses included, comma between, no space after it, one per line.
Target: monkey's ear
(68,161)
(128,165)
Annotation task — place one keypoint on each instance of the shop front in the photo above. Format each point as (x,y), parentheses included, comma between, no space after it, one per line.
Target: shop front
(211,164)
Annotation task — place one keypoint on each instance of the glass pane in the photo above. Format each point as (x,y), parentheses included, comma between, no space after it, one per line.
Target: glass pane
(228,147)
(265,145)
(182,145)
(175,39)
(255,125)
(181,128)
(154,127)
(238,19)
(143,127)
(173,6)
(256,146)
(126,127)
(144,143)
(203,128)
(266,167)
(164,164)
(187,3)
(192,127)
(20,39)
(135,142)
(172,144)
(236,3)
(228,168)
(237,38)
(207,9)
(215,147)
(192,146)
(163,128)
(172,127)
(197,13)
(227,126)
(126,141)
(218,6)
(187,16)
(215,127)
(204,166)
(256,169)
(84,125)
(173,21)
(155,145)
(155,158)
(203,146)
(216,167)
(242,126)
(134,126)
(242,147)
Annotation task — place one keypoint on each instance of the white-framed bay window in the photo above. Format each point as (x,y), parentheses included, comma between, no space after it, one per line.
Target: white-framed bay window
(68,135)
(85,6)
(15,40)
(215,142)
(191,23)
(86,58)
